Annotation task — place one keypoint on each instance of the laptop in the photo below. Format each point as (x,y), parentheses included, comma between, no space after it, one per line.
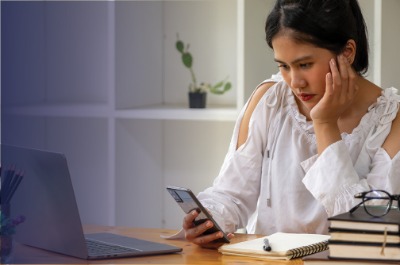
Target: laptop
(46,198)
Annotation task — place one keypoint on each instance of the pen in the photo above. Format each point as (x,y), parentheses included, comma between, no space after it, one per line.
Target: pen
(266,246)
(17,180)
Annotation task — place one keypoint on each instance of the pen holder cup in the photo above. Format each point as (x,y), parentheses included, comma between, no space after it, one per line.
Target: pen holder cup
(6,238)
(5,210)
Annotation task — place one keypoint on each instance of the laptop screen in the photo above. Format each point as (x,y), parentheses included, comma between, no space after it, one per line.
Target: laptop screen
(45,198)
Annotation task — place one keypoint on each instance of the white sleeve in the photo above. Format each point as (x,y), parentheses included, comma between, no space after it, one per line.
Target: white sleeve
(332,179)
(234,194)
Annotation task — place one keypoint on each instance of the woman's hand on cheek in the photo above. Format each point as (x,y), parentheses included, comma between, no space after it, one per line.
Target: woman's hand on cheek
(340,92)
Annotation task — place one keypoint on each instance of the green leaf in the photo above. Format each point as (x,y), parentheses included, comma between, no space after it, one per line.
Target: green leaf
(218,90)
(187,59)
(218,85)
(227,86)
(180,46)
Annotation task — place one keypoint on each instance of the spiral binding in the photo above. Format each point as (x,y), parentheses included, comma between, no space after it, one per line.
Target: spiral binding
(308,250)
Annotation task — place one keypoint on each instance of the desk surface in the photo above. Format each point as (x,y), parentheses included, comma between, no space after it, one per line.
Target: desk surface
(191,254)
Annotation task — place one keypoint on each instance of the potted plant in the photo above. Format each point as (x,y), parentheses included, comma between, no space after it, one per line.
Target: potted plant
(198,92)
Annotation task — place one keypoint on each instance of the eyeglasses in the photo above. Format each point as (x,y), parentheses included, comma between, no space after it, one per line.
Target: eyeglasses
(376,203)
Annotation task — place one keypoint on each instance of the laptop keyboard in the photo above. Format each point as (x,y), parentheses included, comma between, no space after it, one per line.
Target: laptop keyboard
(97,248)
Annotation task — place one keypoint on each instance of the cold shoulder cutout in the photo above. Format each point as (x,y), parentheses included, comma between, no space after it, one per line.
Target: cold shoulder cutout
(392,142)
(253,102)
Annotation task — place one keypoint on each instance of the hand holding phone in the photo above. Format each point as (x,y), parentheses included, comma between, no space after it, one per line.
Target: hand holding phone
(189,202)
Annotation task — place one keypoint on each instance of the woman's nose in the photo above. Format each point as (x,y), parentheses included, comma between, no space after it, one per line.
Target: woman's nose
(297,81)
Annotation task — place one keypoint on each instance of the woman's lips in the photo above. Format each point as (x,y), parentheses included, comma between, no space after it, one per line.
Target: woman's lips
(306,97)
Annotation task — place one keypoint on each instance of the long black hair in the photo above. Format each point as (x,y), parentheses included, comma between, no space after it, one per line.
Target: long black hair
(326,24)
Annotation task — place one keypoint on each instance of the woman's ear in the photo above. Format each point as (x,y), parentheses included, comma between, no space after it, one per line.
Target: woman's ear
(349,51)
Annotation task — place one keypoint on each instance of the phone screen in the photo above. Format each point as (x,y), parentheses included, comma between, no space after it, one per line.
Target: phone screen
(188,202)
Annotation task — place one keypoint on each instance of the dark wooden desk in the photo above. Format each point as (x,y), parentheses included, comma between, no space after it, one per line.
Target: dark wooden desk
(191,254)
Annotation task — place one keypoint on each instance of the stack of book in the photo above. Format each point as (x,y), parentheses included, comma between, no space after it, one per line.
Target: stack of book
(358,235)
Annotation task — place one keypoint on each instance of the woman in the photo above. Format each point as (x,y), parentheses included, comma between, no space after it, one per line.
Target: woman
(311,137)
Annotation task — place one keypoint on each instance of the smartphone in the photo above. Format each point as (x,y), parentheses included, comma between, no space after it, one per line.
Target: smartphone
(189,202)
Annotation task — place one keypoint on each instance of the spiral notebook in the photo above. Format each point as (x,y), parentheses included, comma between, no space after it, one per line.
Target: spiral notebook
(284,246)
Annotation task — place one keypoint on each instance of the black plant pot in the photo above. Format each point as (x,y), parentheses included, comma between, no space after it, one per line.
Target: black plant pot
(197,100)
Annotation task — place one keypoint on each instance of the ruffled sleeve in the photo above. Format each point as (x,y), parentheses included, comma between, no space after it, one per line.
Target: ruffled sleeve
(334,177)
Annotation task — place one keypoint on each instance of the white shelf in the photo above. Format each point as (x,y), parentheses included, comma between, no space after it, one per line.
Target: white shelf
(63,110)
(162,112)
(174,112)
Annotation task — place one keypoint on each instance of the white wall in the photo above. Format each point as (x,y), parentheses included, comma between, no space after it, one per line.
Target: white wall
(390,72)
(210,29)
(117,55)
(61,54)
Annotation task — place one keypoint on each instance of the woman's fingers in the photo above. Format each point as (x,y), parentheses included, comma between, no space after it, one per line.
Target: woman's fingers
(341,86)
(336,78)
(329,84)
(205,243)
(340,91)
(194,232)
(205,239)
(348,80)
(198,230)
(188,220)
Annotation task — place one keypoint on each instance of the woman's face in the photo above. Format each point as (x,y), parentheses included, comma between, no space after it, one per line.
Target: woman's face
(304,68)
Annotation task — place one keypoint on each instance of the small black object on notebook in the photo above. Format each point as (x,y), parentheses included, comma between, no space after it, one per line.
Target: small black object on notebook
(266,246)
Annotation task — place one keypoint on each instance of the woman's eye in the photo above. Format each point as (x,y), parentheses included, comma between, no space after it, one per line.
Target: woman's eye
(305,65)
(283,66)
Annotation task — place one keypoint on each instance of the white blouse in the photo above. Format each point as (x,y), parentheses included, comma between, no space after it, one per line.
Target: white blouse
(276,181)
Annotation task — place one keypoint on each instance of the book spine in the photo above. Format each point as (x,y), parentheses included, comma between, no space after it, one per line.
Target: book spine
(338,242)
(375,232)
